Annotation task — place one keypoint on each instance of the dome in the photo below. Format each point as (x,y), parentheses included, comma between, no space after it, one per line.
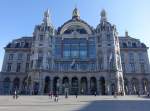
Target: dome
(75,25)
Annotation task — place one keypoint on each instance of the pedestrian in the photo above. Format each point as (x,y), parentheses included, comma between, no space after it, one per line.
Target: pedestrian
(95,93)
(76,94)
(115,94)
(82,91)
(56,96)
(148,94)
(50,95)
(15,96)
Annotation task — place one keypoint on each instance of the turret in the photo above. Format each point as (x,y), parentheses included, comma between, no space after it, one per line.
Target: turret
(42,43)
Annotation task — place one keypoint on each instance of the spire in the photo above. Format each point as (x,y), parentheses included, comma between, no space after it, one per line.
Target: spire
(46,18)
(103,16)
(75,14)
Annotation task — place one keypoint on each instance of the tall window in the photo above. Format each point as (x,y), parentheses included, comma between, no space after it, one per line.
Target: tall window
(18,67)
(41,37)
(28,57)
(141,57)
(27,66)
(20,55)
(124,67)
(132,65)
(122,57)
(131,57)
(9,66)
(108,37)
(11,56)
(142,67)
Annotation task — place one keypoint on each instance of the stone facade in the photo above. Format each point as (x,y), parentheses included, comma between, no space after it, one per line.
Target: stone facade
(75,58)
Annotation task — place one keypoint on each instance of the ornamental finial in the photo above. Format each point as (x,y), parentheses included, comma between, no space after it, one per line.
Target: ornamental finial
(76,13)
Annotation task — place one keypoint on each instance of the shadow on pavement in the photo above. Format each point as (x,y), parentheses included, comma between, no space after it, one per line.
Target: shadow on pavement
(117,105)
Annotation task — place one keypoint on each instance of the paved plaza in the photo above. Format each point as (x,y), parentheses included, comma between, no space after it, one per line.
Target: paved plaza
(82,103)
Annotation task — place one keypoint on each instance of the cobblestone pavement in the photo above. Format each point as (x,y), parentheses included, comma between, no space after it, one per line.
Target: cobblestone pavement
(82,103)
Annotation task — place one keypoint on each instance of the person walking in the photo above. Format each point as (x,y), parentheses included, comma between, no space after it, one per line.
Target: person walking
(76,94)
(50,94)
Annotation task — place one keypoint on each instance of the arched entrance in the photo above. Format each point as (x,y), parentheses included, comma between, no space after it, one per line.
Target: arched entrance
(36,87)
(135,86)
(56,85)
(83,84)
(74,85)
(112,88)
(145,86)
(102,85)
(6,86)
(126,83)
(16,84)
(24,86)
(47,85)
(93,85)
(65,83)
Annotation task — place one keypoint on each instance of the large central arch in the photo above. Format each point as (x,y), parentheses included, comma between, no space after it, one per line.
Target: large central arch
(83,84)
(74,85)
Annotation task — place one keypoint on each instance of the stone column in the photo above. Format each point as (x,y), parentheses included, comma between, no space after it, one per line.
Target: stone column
(98,86)
(89,88)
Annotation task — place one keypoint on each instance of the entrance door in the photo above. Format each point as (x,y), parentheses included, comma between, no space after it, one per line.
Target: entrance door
(102,85)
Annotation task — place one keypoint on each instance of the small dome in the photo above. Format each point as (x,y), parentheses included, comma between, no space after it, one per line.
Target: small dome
(103,15)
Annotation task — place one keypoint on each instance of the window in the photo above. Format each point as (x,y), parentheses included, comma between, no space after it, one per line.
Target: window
(134,45)
(92,51)
(22,44)
(41,37)
(132,65)
(11,56)
(28,57)
(122,57)
(141,59)
(75,51)
(124,45)
(9,65)
(17,45)
(27,66)
(83,51)
(142,67)
(66,52)
(131,57)
(18,67)
(123,67)
(108,37)
(57,51)
(99,39)
(20,56)
(39,62)
(26,45)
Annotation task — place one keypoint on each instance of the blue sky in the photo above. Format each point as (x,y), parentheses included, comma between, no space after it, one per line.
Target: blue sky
(18,17)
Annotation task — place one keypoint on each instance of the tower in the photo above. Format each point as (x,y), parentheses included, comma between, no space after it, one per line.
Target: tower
(108,55)
(42,44)
(41,51)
